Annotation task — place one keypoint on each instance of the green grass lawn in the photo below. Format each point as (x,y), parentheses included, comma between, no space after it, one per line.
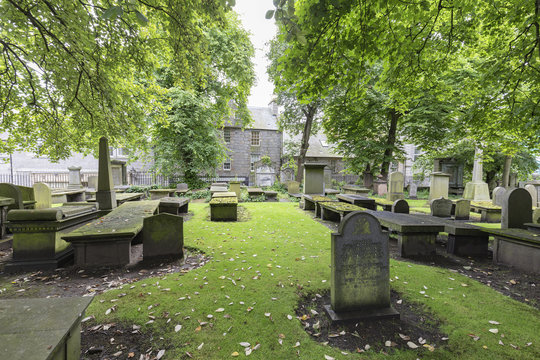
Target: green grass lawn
(248,292)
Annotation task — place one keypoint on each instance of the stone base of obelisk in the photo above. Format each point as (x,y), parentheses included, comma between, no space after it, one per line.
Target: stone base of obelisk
(106,199)
(477,191)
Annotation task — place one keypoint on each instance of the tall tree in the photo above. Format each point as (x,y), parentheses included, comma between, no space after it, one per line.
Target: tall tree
(72,71)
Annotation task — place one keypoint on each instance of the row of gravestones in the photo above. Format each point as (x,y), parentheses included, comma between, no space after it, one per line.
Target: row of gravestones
(360,286)
(499,192)
(445,208)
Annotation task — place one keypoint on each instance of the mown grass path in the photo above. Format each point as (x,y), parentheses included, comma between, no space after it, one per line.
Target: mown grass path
(249,291)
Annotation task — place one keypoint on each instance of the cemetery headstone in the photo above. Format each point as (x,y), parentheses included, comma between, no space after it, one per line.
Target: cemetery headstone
(395,186)
(368,180)
(92,182)
(293,187)
(12,191)
(234,186)
(439,185)
(536,216)
(400,206)
(413,191)
(463,209)
(182,187)
(105,195)
(380,187)
(42,195)
(441,207)
(534,194)
(163,235)
(498,195)
(314,178)
(477,189)
(265,175)
(74,177)
(516,209)
(360,287)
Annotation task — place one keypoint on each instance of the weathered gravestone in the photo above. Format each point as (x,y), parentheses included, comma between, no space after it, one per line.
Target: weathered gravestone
(380,187)
(441,207)
(516,209)
(463,209)
(536,216)
(74,177)
(163,235)
(92,182)
(438,186)
(181,188)
(234,186)
(477,189)
(105,195)
(360,287)
(314,178)
(498,195)
(293,187)
(400,206)
(395,186)
(42,195)
(534,195)
(413,190)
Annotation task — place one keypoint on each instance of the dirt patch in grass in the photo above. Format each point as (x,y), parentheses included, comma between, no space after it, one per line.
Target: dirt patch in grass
(72,281)
(414,328)
(117,341)
(518,285)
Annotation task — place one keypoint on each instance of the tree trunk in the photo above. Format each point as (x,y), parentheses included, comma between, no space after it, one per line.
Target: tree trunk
(506,171)
(393,116)
(309,112)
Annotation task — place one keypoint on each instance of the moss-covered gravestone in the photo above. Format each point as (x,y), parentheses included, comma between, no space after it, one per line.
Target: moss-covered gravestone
(293,187)
(105,195)
(498,195)
(463,209)
(441,207)
(163,235)
(42,194)
(516,209)
(395,186)
(360,287)
(234,186)
(534,194)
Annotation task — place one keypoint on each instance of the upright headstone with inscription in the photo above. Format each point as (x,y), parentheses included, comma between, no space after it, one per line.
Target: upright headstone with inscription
(42,195)
(516,209)
(360,287)
(438,186)
(413,190)
(74,177)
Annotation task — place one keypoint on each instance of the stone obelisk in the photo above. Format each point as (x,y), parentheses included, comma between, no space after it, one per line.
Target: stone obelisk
(477,189)
(105,195)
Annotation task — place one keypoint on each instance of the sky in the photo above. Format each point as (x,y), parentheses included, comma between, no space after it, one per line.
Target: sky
(251,13)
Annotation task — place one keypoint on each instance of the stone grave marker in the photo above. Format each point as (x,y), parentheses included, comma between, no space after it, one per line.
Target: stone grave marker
(234,186)
(463,209)
(498,195)
(438,187)
(92,182)
(536,216)
(441,207)
(380,187)
(74,177)
(400,206)
(42,195)
(534,195)
(395,186)
(413,190)
(293,187)
(477,189)
(314,178)
(516,209)
(360,287)
(105,195)
(163,235)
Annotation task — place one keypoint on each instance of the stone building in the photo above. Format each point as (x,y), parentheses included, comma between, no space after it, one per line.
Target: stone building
(247,147)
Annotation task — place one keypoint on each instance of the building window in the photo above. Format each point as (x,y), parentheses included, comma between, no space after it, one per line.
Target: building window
(255,138)
(417,152)
(227,164)
(111,151)
(227,135)
(123,152)
(254,159)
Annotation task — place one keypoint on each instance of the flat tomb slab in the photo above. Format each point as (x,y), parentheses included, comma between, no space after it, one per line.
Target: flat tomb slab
(173,205)
(5,201)
(224,194)
(407,222)
(224,209)
(350,189)
(519,248)
(335,211)
(533,227)
(217,188)
(331,191)
(358,200)
(124,197)
(255,191)
(107,241)
(310,201)
(39,329)
(156,194)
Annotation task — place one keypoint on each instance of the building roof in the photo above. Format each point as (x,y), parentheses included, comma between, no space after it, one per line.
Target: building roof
(318,146)
(263,119)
